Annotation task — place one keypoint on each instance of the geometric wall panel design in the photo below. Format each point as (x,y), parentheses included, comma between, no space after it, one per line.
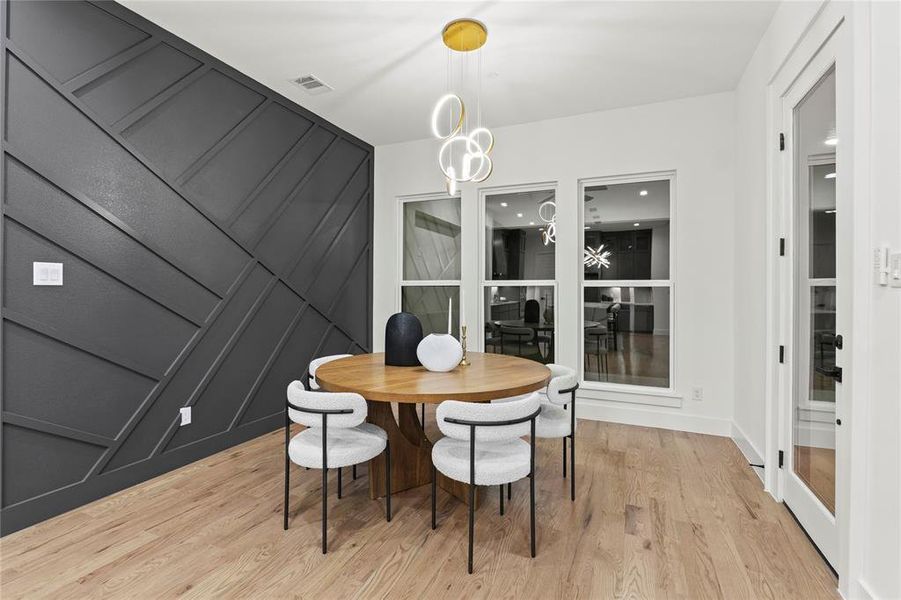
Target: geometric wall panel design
(215,238)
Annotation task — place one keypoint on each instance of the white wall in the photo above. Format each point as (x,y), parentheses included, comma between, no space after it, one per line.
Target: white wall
(694,138)
(752,140)
(870,536)
(875,495)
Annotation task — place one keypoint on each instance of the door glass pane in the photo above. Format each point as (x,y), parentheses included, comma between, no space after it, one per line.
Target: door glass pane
(626,333)
(429,303)
(432,240)
(628,225)
(816,374)
(520,321)
(520,235)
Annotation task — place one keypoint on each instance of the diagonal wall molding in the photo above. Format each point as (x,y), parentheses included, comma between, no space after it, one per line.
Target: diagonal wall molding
(170,298)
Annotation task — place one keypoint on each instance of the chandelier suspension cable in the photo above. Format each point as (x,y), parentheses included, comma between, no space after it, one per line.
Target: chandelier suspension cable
(471,162)
(479,93)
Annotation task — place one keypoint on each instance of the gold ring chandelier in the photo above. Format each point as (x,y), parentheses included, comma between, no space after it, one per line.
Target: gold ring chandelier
(464,153)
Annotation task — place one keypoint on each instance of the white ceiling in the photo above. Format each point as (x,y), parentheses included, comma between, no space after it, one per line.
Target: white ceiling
(542,59)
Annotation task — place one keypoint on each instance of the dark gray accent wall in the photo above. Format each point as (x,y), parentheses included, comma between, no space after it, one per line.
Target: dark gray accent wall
(215,237)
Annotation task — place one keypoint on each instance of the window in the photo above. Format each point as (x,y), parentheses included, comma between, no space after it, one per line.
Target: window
(627,284)
(430,261)
(518,279)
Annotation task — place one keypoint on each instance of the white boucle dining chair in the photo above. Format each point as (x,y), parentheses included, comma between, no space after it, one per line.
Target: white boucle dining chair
(483,446)
(335,436)
(314,385)
(558,416)
(318,362)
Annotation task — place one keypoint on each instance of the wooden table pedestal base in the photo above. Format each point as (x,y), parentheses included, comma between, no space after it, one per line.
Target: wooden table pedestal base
(411,454)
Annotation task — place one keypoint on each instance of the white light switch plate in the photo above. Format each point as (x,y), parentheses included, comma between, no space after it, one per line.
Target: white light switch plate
(894,270)
(48,273)
(185,415)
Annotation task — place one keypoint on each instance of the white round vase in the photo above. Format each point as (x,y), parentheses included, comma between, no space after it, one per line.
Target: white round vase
(439,352)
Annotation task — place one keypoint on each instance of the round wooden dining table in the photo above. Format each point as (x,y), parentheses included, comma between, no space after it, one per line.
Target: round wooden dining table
(389,390)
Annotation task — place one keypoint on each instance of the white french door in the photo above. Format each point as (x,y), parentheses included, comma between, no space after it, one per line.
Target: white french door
(815,303)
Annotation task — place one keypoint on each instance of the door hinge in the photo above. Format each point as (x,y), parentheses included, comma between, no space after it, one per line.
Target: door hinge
(781,458)
(781,246)
(781,142)
(781,354)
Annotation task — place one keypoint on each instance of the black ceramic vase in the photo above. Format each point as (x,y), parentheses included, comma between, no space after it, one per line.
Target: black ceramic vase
(403,332)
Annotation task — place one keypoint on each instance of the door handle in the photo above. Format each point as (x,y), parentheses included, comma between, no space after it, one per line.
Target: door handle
(838,342)
(834,372)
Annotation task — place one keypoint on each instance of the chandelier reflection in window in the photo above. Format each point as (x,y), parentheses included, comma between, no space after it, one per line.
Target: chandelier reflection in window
(597,257)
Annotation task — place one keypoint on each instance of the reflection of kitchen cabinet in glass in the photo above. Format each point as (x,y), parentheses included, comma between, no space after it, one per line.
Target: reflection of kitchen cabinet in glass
(509,249)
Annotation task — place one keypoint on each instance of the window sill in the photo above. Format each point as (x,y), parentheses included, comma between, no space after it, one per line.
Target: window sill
(639,395)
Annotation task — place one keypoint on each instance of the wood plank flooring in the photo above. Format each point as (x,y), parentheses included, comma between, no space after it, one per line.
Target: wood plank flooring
(658,514)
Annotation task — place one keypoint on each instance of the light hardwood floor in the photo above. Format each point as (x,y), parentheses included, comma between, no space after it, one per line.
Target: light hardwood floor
(658,514)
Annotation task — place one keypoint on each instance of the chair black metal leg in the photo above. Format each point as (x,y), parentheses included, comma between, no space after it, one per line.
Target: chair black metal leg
(388,478)
(287,467)
(532,487)
(434,485)
(572,448)
(572,470)
(564,458)
(324,509)
(423,415)
(509,490)
(339,483)
(500,490)
(324,483)
(472,491)
(353,472)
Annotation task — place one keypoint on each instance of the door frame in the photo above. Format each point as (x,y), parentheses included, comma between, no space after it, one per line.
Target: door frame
(828,33)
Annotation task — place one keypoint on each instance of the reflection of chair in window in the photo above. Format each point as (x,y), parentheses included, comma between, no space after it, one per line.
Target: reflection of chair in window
(597,344)
(521,338)
(612,326)
(492,337)
(532,311)
(532,314)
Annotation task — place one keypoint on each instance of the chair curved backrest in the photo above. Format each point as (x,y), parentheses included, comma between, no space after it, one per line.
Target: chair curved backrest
(562,378)
(486,414)
(525,332)
(532,311)
(318,362)
(315,402)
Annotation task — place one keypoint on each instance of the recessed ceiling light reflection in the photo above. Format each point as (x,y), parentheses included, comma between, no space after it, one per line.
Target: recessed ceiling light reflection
(504,204)
(829,176)
(531,222)
(830,212)
(636,224)
(831,140)
(519,215)
(643,193)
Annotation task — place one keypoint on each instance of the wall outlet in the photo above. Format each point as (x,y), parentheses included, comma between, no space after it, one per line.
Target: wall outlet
(697,393)
(45,273)
(185,415)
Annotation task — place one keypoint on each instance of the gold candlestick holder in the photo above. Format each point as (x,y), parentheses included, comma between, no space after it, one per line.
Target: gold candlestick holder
(463,362)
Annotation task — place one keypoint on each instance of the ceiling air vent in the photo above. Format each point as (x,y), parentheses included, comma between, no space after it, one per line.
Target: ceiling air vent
(312,84)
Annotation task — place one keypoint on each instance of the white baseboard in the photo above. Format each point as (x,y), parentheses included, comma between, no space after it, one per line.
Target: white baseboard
(648,416)
(748,449)
(860,591)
